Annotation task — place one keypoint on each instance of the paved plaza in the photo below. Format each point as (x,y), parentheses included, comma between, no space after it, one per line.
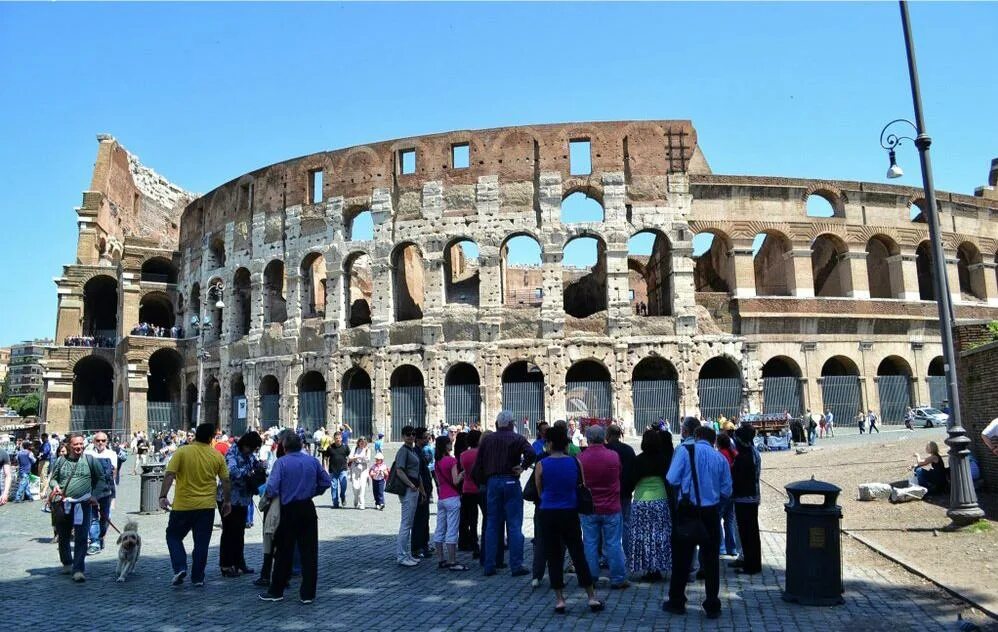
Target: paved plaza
(361,587)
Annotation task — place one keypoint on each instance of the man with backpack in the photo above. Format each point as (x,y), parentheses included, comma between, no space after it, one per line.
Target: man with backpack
(77,481)
(108,459)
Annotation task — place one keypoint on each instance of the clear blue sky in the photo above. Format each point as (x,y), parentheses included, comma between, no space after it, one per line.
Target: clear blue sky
(203,93)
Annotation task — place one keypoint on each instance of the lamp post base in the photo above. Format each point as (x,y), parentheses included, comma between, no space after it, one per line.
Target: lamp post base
(963,507)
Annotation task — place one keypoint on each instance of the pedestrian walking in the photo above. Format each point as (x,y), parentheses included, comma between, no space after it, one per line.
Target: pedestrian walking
(25,460)
(407,469)
(198,469)
(108,459)
(379,475)
(861,421)
(338,455)
(4,471)
(76,479)
(296,479)
(829,422)
(871,417)
(358,463)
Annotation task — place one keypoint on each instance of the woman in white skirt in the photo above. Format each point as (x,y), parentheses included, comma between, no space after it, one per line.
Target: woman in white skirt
(358,462)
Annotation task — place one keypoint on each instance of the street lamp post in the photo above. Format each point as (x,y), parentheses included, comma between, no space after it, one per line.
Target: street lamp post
(214,289)
(963,507)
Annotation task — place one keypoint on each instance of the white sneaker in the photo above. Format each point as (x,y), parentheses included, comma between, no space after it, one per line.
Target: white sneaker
(409,562)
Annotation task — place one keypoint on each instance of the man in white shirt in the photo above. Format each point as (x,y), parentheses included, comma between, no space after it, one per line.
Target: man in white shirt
(990,436)
(108,458)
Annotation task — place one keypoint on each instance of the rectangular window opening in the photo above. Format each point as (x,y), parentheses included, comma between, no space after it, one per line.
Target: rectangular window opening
(249,196)
(315,186)
(407,161)
(580,161)
(460,156)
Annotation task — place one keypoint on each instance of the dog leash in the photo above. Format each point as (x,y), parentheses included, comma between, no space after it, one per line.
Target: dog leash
(108,521)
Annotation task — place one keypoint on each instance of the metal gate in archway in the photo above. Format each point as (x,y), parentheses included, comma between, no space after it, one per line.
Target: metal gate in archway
(358,411)
(270,411)
(589,399)
(895,397)
(654,399)
(408,408)
(720,396)
(312,410)
(524,399)
(937,390)
(841,394)
(782,394)
(462,404)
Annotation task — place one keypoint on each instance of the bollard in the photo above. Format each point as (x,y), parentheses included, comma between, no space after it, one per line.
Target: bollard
(814,550)
(152,481)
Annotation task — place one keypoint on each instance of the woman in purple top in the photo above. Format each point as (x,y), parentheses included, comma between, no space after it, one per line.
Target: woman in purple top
(556,478)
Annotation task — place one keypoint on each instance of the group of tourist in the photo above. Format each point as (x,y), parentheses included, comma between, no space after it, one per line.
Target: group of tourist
(157,331)
(89,341)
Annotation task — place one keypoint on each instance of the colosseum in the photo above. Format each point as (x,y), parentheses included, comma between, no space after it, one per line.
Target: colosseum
(429,279)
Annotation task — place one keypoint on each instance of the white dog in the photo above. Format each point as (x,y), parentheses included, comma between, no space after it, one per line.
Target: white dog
(129,547)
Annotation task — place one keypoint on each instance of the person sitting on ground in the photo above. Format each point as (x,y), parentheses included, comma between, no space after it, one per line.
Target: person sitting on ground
(930,472)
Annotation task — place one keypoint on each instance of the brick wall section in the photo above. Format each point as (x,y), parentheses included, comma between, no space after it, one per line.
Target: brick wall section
(977,371)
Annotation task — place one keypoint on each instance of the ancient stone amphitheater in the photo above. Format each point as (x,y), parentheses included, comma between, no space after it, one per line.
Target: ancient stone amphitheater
(429,278)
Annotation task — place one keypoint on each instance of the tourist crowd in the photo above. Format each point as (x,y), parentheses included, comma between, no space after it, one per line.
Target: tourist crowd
(157,331)
(89,341)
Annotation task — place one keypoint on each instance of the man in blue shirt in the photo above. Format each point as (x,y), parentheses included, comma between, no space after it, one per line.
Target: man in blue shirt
(713,482)
(296,479)
(538,444)
(25,459)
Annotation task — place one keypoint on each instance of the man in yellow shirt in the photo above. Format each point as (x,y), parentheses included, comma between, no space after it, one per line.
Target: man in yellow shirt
(196,467)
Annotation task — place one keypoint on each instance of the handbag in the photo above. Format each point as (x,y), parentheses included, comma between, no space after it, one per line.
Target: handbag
(395,484)
(688,526)
(530,489)
(583,496)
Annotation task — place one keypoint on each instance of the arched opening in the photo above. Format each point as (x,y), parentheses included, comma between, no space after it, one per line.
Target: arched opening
(237,389)
(93,389)
(894,388)
(781,386)
(923,268)
(313,286)
(275,305)
(773,264)
(158,270)
(407,282)
(100,307)
(713,264)
(970,268)
(462,395)
(242,302)
(820,205)
(936,378)
(164,380)
(358,405)
(649,273)
(192,403)
(461,272)
(578,207)
(358,295)
(655,393)
(212,399)
(523,391)
(719,387)
(521,272)
(270,402)
(194,307)
(312,401)
(216,321)
(408,399)
(883,268)
(156,315)
(840,390)
(916,212)
(583,276)
(830,266)
(588,391)
(359,225)
(216,252)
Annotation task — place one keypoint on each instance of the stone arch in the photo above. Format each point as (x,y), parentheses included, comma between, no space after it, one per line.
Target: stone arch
(358,223)
(588,390)
(830,266)
(924,271)
(216,251)
(936,379)
(358,293)
(655,393)
(462,275)
(523,390)
(158,270)
(408,398)
(580,204)
(275,305)
(521,272)
(210,401)
(714,267)
(781,386)
(894,388)
(772,263)
(312,278)
(830,200)
(883,267)
(165,377)
(242,303)
(719,388)
(156,308)
(840,389)
(358,404)
(100,306)
(270,401)
(584,286)
(92,406)
(312,401)
(970,269)
(462,395)
(408,281)
(649,277)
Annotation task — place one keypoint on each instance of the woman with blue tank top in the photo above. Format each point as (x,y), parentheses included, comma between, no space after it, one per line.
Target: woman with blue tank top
(556,478)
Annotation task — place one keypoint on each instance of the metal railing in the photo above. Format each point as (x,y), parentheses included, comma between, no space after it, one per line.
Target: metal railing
(312,410)
(842,395)
(524,399)
(91,418)
(782,394)
(895,397)
(720,396)
(589,399)
(654,400)
(163,416)
(462,404)
(408,408)
(358,411)
(270,410)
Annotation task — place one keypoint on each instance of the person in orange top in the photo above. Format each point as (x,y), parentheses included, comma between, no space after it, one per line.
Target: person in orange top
(222,445)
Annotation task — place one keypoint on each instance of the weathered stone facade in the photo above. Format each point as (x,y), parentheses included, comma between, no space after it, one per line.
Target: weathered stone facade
(845,289)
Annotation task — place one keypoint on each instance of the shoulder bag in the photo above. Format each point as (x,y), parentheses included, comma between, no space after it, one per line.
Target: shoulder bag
(583,496)
(530,488)
(395,484)
(688,526)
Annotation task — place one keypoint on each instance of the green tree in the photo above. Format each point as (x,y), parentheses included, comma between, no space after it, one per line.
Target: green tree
(28,405)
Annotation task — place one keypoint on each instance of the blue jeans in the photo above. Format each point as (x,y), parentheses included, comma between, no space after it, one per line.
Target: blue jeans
(200,521)
(610,526)
(78,533)
(379,492)
(339,488)
(505,504)
(98,522)
(23,480)
(727,511)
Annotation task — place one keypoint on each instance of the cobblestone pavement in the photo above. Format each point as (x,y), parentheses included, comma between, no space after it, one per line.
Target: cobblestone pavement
(361,586)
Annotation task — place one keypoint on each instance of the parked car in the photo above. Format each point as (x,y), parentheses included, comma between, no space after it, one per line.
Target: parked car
(930,417)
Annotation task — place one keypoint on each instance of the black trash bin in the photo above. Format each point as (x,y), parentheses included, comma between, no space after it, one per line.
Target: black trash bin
(814,552)
(152,481)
